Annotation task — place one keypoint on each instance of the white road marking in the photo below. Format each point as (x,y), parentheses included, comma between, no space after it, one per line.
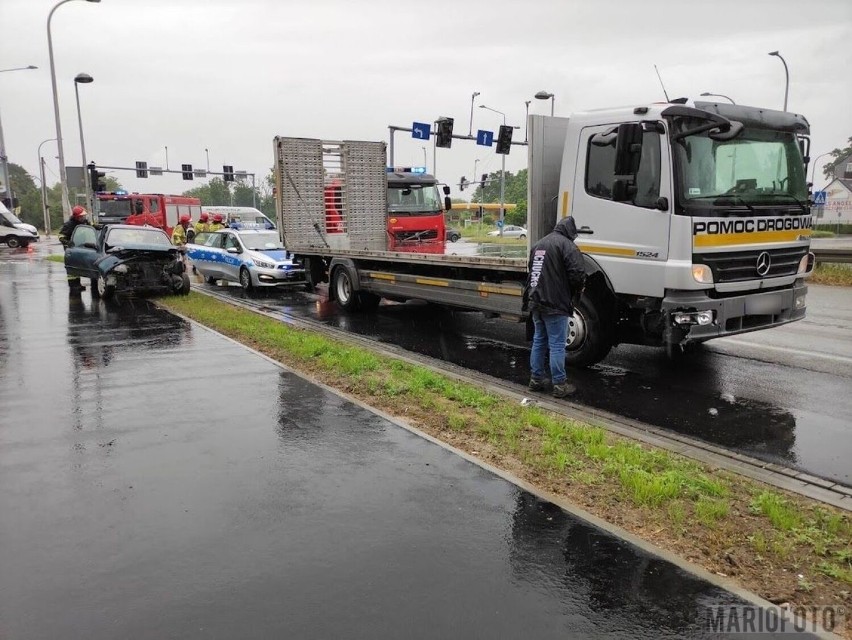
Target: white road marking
(790,350)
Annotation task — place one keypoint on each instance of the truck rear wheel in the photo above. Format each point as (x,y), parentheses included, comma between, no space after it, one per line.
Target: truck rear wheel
(590,336)
(344,289)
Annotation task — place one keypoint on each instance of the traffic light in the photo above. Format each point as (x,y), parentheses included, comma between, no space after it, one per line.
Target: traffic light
(444,135)
(462,183)
(186,170)
(228,170)
(97,179)
(141,169)
(504,140)
(483,180)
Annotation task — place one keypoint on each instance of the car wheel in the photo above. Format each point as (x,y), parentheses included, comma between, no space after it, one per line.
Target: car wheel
(185,285)
(105,291)
(344,289)
(589,337)
(523,236)
(210,280)
(454,237)
(245,279)
(13,242)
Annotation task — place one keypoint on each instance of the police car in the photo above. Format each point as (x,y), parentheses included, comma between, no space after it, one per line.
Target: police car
(245,253)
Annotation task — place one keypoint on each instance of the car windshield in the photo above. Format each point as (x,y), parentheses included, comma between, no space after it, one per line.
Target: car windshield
(142,235)
(114,207)
(261,241)
(11,217)
(413,199)
(758,167)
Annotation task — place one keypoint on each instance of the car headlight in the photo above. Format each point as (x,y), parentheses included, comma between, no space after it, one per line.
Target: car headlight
(264,265)
(122,268)
(702,273)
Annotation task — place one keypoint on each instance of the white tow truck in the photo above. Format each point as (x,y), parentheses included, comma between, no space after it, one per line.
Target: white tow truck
(695,222)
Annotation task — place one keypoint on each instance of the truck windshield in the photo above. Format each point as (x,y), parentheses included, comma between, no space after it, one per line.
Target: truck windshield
(115,208)
(11,217)
(759,168)
(414,200)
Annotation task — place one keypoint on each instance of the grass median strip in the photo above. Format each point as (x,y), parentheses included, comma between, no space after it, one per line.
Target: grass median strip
(784,547)
(55,257)
(832,274)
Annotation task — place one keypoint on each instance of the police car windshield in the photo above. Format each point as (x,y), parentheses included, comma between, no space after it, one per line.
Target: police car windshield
(758,167)
(255,241)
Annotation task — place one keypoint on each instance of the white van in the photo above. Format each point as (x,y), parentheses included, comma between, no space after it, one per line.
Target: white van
(241,214)
(14,232)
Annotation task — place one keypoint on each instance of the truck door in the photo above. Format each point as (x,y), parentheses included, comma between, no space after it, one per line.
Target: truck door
(629,239)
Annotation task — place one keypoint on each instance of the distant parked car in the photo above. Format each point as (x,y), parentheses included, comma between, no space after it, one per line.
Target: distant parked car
(14,232)
(252,257)
(452,235)
(510,231)
(122,258)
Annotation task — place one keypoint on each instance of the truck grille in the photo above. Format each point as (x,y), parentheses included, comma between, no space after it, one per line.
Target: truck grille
(742,265)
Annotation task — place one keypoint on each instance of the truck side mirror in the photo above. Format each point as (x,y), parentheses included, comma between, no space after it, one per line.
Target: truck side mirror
(446,190)
(448,204)
(628,152)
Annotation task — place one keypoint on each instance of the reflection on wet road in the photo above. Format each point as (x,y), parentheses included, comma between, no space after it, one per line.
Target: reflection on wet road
(157,480)
(754,394)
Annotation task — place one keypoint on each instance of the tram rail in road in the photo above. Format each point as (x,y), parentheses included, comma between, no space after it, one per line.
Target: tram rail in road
(775,475)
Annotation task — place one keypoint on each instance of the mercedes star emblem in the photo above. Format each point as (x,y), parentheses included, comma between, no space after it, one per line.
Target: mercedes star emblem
(763,263)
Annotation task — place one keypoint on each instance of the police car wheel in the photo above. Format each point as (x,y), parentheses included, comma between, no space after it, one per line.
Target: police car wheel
(245,279)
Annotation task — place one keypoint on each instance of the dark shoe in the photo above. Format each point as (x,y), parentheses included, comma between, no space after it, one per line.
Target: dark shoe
(539,385)
(564,389)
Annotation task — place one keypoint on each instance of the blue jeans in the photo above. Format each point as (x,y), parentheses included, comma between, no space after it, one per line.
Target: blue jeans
(551,331)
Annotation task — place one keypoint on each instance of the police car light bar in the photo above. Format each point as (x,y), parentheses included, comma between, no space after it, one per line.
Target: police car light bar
(406,169)
(247,225)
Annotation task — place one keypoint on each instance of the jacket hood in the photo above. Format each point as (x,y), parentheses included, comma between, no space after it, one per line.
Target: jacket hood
(566,227)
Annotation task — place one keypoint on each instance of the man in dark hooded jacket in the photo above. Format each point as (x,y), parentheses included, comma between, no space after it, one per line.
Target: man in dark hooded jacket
(556,278)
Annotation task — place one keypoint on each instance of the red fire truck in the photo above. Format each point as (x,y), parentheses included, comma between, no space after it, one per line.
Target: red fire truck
(153,209)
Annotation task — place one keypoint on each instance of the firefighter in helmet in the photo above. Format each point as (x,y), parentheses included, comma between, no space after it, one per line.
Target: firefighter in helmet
(179,232)
(218,222)
(203,224)
(78,217)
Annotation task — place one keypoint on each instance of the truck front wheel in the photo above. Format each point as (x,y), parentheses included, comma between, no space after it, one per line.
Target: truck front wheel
(344,289)
(590,336)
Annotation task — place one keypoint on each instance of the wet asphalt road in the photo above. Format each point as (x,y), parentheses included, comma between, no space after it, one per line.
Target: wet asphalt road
(780,395)
(159,481)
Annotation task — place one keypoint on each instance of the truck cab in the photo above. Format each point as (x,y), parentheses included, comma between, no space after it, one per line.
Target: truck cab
(695,220)
(415,211)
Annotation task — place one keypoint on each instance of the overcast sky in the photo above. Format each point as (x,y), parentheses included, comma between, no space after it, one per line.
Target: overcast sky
(228,75)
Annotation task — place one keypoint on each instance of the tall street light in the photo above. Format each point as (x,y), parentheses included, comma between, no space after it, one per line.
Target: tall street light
(63,178)
(502,172)
(717,95)
(546,95)
(786,75)
(527,120)
(472,98)
(84,78)
(4,161)
(44,208)
(814,165)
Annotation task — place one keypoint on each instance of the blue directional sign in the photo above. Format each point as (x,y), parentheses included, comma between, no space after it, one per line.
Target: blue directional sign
(484,138)
(499,223)
(421,130)
(820,198)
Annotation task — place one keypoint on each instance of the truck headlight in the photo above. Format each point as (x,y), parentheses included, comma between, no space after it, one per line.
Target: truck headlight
(806,263)
(702,273)
(800,301)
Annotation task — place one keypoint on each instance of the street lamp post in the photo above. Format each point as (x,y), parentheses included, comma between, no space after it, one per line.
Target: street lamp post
(44,208)
(425,163)
(786,76)
(527,120)
(813,167)
(63,178)
(546,95)
(717,95)
(83,78)
(472,98)
(4,160)
(502,173)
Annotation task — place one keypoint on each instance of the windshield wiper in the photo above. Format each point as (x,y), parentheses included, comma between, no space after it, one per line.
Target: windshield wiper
(792,197)
(732,197)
